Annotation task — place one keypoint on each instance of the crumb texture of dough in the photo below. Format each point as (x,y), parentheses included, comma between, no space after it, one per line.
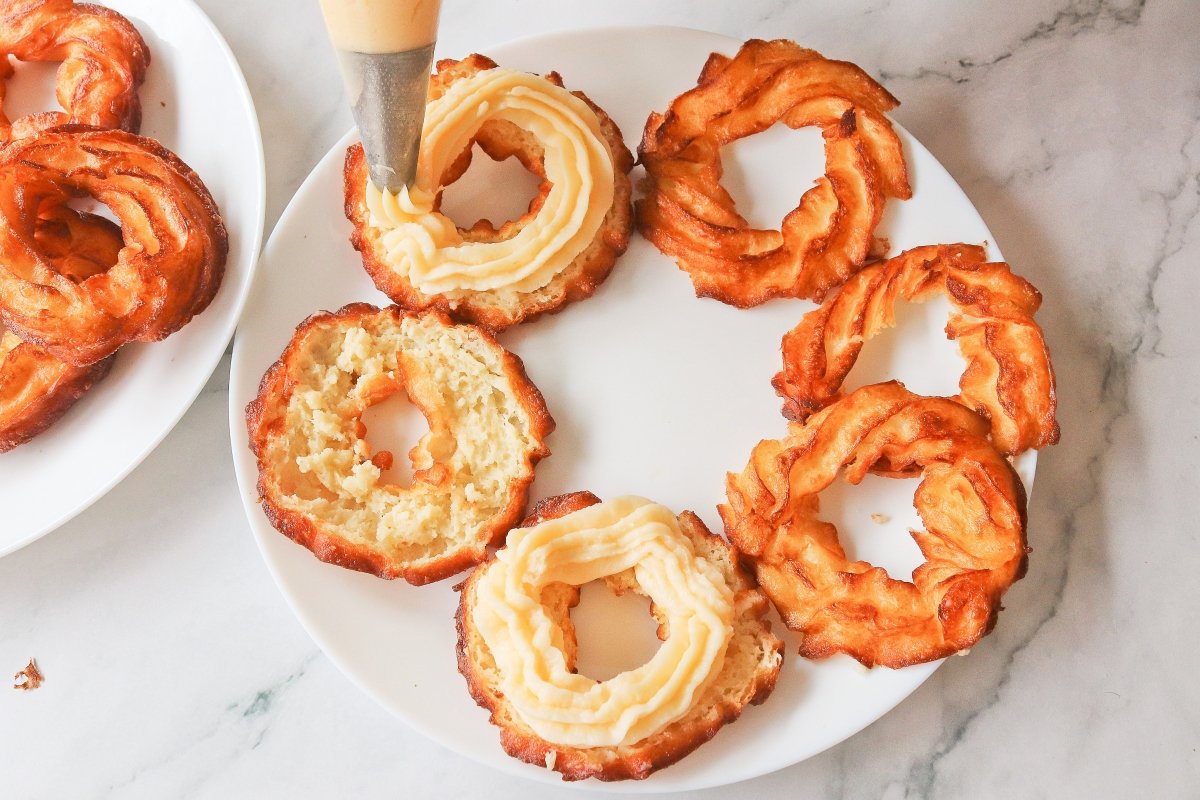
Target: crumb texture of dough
(321,484)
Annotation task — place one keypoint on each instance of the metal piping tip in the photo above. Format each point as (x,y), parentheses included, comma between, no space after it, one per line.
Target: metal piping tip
(387,95)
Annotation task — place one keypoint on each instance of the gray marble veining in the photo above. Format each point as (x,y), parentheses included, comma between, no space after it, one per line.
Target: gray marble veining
(174,668)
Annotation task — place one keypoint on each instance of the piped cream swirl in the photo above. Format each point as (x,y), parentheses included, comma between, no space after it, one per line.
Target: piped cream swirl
(424,245)
(573,710)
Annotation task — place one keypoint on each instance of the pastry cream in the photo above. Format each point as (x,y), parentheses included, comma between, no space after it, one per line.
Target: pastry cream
(381,26)
(426,247)
(625,533)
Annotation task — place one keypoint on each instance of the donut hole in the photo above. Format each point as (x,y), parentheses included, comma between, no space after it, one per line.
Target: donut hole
(30,90)
(493,191)
(90,205)
(876,530)
(393,426)
(915,352)
(767,173)
(615,632)
(80,236)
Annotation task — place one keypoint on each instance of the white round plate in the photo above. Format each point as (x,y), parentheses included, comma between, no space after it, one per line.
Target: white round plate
(656,393)
(196,103)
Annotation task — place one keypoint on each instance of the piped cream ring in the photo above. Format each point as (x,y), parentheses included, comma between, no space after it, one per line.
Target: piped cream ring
(689,594)
(424,245)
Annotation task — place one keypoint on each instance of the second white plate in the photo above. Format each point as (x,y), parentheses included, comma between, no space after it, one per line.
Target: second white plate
(655,392)
(196,103)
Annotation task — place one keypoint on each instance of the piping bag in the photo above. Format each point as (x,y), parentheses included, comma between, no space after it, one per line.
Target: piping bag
(385,50)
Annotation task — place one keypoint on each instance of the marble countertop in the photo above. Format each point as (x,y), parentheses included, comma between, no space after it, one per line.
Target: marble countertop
(174,668)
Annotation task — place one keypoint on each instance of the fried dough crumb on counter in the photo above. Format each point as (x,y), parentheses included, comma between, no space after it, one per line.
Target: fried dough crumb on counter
(29,678)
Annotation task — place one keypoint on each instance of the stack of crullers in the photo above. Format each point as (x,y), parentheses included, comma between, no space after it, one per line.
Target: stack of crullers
(74,286)
(321,484)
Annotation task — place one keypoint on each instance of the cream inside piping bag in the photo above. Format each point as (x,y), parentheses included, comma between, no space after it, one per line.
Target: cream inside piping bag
(385,50)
